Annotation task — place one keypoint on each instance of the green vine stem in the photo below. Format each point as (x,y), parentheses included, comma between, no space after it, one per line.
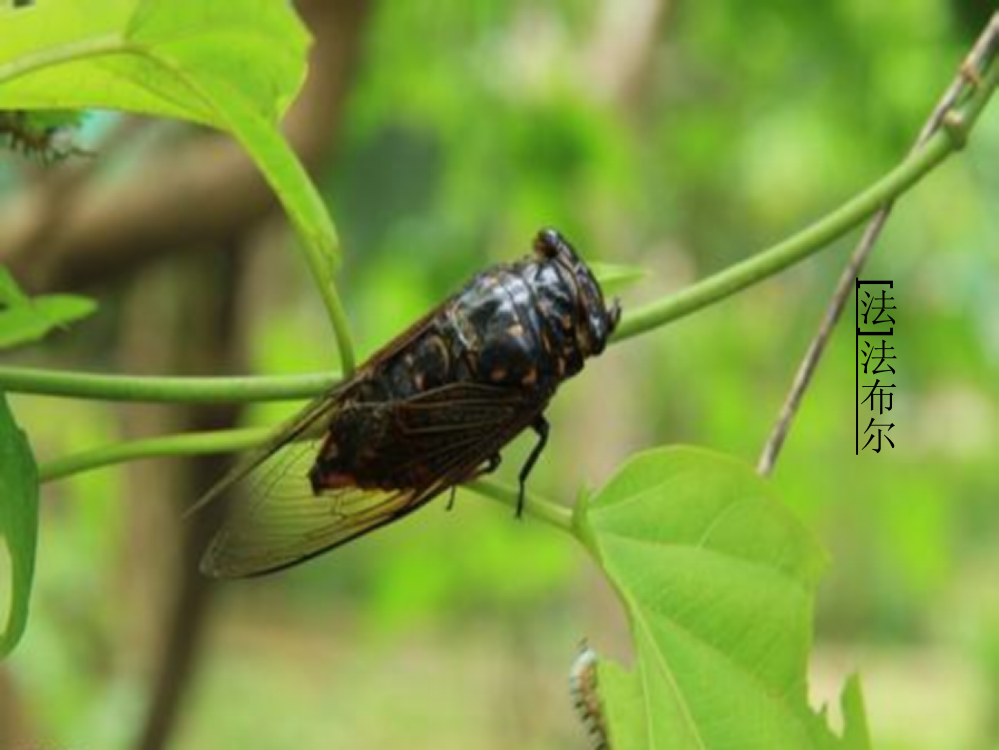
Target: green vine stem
(535,505)
(792,250)
(184,444)
(322,274)
(245,389)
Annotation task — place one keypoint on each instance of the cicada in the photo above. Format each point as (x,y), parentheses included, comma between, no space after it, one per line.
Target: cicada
(430,410)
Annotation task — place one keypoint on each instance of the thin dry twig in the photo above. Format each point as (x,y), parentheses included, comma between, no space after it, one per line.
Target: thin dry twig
(968,77)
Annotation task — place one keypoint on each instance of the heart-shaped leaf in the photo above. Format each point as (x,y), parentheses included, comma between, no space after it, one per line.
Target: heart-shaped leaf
(718,579)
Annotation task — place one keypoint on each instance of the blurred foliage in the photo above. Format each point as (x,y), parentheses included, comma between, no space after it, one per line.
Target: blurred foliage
(469,127)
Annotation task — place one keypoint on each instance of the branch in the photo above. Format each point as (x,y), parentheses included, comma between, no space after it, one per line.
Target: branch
(969,76)
(203,333)
(189,390)
(818,235)
(621,50)
(16,727)
(788,252)
(535,505)
(162,446)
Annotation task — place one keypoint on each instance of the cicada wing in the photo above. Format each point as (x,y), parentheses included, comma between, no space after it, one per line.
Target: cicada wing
(275,521)
(310,422)
(454,429)
(278,522)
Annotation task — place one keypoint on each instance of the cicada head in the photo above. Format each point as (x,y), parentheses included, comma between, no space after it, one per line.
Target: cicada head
(595,320)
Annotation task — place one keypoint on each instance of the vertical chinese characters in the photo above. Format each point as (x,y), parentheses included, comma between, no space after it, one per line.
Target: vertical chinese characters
(875,366)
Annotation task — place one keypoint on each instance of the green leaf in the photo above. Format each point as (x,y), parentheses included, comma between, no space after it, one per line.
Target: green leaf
(234,65)
(172,58)
(24,319)
(53,119)
(18,525)
(856,735)
(613,278)
(10,293)
(718,579)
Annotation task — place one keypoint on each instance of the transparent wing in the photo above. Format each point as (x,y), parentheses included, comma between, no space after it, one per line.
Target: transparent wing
(312,421)
(278,521)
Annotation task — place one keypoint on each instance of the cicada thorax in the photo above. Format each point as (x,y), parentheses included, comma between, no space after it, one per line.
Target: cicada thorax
(497,333)
(531,324)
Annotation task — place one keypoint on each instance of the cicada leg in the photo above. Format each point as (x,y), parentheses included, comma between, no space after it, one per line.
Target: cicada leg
(491,465)
(540,426)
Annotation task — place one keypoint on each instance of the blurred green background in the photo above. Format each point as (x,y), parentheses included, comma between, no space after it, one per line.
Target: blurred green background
(676,136)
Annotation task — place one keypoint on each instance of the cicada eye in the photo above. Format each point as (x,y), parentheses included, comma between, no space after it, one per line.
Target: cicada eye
(548,242)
